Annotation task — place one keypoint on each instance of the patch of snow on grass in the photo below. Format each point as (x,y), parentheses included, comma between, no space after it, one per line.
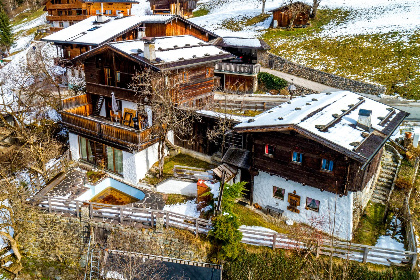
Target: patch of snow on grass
(22,43)
(188,208)
(114,275)
(257,228)
(386,241)
(178,187)
(42,20)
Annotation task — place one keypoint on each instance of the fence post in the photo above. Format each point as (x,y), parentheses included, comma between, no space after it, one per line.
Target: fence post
(167,219)
(365,253)
(274,240)
(49,204)
(318,249)
(196,227)
(414,262)
(152,220)
(77,209)
(90,210)
(121,214)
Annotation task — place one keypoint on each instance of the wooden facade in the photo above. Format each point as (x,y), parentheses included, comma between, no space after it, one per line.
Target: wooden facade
(346,175)
(300,11)
(177,27)
(183,8)
(72,11)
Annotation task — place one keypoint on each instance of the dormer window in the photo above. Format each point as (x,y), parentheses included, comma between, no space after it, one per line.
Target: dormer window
(297,157)
(327,165)
(269,150)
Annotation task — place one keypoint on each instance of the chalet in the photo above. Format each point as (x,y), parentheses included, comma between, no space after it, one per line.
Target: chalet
(64,13)
(97,30)
(315,158)
(183,8)
(239,75)
(121,139)
(298,12)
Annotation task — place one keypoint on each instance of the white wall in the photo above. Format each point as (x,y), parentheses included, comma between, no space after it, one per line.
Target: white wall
(135,166)
(129,105)
(323,220)
(74,146)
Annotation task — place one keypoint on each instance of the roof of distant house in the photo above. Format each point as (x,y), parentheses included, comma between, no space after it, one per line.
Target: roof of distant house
(307,6)
(171,52)
(235,42)
(90,32)
(331,118)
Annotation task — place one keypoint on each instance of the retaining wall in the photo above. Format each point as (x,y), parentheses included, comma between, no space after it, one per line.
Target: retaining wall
(275,62)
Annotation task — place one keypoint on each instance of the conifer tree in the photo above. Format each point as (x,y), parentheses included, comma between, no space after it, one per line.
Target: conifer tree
(6,36)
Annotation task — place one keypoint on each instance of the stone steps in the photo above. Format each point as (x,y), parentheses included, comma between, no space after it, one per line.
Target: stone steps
(385,179)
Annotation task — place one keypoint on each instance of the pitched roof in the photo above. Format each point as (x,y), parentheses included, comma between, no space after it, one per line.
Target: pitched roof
(235,42)
(331,118)
(171,52)
(90,32)
(237,157)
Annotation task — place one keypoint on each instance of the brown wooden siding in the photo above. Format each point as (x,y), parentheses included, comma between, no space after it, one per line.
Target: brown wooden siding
(174,28)
(283,18)
(236,83)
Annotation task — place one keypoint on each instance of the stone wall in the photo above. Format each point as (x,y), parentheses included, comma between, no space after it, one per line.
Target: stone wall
(275,62)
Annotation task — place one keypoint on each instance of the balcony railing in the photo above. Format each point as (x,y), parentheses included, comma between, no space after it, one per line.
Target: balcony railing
(120,93)
(98,128)
(249,69)
(67,17)
(76,101)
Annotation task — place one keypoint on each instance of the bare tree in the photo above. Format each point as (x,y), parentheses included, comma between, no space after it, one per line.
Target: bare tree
(295,8)
(315,5)
(159,98)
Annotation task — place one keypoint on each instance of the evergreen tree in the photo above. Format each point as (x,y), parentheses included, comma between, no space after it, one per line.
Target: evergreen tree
(6,36)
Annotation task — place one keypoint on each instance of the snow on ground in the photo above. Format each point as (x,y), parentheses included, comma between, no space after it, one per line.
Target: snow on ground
(257,228)
(31,24)
(143,8)
(22,43)
(114,275)
(178,187)
(188,208)
(365,17)
(386,241)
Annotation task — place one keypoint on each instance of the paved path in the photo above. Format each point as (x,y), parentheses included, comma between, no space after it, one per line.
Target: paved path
(299,81)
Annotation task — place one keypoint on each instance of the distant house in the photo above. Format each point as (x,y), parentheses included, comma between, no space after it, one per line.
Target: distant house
(128,147)
(297,10)
(239,75)
(315,159)
(64,13)
(181,8)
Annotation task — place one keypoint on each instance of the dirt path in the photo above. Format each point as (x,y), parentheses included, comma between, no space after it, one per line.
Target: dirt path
(299,81)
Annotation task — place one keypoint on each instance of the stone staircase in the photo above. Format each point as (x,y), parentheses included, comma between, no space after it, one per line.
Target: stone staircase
(385,181)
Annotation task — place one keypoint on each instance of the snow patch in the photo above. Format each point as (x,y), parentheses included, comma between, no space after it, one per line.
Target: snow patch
(188,208)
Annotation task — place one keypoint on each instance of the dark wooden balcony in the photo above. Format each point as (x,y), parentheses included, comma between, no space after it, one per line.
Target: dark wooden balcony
(77,117)
(67,18)
(235,68)
(120,93)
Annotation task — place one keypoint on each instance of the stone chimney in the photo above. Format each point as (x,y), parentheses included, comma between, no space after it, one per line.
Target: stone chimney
(149,49)
(364,120)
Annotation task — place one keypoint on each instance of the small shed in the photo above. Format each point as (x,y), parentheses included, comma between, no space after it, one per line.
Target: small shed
(297,10)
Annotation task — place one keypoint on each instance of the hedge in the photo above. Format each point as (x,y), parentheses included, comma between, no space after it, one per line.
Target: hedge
(270,82)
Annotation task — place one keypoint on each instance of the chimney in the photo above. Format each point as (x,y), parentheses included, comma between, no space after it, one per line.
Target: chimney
(149,49)
(364,120)
(120,14)
(101,18)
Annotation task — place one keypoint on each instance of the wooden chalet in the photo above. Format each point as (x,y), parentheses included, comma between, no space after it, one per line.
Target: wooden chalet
(129,131)
(283,15)
(314,152)
(183,8)
(239,75)
(97,30)
(64,13)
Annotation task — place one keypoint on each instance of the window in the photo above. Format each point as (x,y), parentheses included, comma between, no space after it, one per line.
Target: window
(98,12)
(312,204)
(61,24)
(108,12)
(278,193)
(115,160)
(269,150)
(118,76)
(108,78)
(208,72)
(297,157)
(327,165)
(184,76)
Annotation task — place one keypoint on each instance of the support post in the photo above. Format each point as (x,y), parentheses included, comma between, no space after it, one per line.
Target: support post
(77,209)
(414,262)
(152,219)
(121,214)
(49,204)
(167,219)
(365,253)
(196,227)
(318,249)
(90,210)
(274,240)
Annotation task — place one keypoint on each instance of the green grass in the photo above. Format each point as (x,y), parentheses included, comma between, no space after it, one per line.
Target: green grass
(27,16)
(175,198)
(200,12)
(238,23)
(168,167)
(371,225)
(246,113)
(383,59)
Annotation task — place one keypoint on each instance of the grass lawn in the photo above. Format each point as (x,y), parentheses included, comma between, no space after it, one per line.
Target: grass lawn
(371,224)
(200,12)
(384,59)
(246,113)
(172,198)
(168,167)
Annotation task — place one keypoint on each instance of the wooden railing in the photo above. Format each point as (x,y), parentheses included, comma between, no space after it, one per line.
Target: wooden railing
(126,136)
(120,93)
(67,17)
(150,217)
(76,101)
(237,68)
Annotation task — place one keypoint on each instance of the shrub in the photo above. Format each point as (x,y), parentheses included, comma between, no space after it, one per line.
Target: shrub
(271,82)
(226,236)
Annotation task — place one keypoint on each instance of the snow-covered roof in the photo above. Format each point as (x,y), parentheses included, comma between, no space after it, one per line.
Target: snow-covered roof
(173,51)
(332,118)
(90,32)
(242,42)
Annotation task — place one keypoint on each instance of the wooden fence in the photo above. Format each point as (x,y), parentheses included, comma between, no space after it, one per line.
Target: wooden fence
(191,173)
(150,217)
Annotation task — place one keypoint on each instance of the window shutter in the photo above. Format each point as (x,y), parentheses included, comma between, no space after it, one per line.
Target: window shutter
(266,149)
(330,166)
(324,164)
(300,157)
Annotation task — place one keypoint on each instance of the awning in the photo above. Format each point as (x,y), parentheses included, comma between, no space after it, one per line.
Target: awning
(229,170)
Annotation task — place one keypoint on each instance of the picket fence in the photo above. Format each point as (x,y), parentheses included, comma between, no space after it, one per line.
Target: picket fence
(154,218)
